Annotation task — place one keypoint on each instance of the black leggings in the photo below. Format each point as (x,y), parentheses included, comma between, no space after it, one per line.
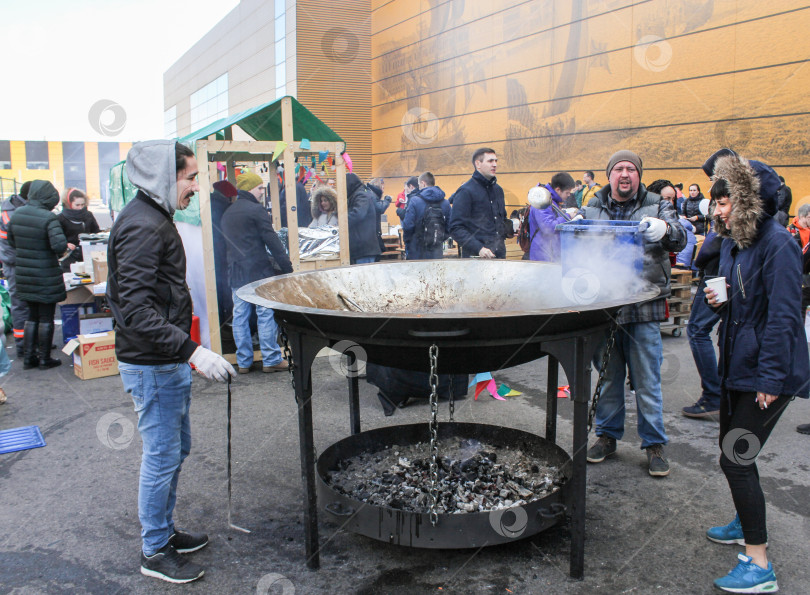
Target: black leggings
(744,429)
(42,313)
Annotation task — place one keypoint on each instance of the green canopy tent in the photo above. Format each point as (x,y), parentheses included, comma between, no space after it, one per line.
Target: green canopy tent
(278,128)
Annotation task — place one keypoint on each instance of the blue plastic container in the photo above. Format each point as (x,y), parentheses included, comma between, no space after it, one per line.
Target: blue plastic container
(595,244)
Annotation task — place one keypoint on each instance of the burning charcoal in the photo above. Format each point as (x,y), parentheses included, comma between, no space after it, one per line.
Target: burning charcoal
(504,494)
(403,462)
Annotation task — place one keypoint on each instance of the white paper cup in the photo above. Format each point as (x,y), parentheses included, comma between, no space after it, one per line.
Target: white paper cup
(718,285)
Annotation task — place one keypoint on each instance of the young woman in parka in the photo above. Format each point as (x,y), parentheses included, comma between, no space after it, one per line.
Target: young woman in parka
(764,359)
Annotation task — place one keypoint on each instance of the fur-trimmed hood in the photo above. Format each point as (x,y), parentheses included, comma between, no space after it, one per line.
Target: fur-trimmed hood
(321,192)
(751,185)
(747,208)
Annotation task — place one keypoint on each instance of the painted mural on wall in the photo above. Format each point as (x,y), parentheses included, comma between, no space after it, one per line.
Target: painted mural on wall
(559,86)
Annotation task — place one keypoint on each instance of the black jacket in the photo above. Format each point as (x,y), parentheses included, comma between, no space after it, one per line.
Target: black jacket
(708,259)
(73,223)
(248,232)
(146,286)
(363,239)
(478,217)
(691,208)
(784,199)
(302,205)
(34,232)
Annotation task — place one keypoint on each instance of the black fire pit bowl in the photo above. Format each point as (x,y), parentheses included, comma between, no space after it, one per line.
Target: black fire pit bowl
(453,531)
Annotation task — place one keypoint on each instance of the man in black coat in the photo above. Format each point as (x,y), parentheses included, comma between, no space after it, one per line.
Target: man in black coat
(302,205)
(479,213)
(249,234)
(364,245)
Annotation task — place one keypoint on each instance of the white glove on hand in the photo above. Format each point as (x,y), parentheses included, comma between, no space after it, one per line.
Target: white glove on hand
(577,218)
(655,230)
(572,211)
(211,365)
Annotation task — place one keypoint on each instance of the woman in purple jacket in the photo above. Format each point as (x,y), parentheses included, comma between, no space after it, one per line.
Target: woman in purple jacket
(542,222)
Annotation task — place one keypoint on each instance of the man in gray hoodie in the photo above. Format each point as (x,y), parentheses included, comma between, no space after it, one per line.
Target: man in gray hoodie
(150,301)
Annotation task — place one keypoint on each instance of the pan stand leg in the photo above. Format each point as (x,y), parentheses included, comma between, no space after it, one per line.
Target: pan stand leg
(551,399)
(354,391)
(304,350)
(575,356)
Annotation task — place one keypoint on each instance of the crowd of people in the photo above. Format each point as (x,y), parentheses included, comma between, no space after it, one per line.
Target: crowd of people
(763,361)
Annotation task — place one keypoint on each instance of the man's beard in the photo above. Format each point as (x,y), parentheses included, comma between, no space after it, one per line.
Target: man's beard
(624,194)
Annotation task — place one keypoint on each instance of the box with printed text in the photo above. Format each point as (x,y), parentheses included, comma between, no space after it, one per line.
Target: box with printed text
(93,355)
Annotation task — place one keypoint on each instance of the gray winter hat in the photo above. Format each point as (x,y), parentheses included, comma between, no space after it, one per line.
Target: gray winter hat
(624,155)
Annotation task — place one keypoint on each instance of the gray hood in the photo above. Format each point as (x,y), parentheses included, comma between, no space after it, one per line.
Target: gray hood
(151,168)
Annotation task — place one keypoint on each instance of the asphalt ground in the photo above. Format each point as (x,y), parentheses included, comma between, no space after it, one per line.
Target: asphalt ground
(68,511)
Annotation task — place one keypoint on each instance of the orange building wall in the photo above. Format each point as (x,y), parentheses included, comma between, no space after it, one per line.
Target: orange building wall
(333,62)
(559,86)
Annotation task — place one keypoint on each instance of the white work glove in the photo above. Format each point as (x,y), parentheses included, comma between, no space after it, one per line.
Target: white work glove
(655,230)
(211,365)
(577,218)
(572,211)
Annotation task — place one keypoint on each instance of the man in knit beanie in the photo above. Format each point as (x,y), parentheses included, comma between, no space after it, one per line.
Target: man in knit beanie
(638,344)
(249,235)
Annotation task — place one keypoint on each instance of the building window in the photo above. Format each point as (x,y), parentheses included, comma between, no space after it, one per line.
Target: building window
(170,122)
(5,154)
(210,103)
(36,154)
(108,155)
(73,161)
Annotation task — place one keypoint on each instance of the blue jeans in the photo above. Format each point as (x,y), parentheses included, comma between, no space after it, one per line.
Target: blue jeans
(365,260)
(162,397)
(268,330)
(638,348)
(702,319)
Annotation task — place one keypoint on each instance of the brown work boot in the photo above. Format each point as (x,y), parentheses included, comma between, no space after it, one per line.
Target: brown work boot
(282,366)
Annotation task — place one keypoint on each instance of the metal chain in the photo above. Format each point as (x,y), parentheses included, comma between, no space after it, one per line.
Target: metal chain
(434,430)
(285,347)
(452,399)
(611,341)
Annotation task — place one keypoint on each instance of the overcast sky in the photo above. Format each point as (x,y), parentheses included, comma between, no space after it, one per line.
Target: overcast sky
(61,57)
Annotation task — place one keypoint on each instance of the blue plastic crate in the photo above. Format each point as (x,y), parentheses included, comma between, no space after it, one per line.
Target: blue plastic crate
(18,439)
(590,244)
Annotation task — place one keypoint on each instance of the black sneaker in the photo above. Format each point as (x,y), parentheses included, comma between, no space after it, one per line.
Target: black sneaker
(658,465)
(185,543)
(601,449)
(803,429)
(166,564)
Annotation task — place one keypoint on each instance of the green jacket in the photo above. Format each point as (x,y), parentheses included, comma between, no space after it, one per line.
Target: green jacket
(35,233)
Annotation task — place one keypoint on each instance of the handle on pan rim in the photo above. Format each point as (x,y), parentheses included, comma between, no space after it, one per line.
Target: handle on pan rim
(439,334)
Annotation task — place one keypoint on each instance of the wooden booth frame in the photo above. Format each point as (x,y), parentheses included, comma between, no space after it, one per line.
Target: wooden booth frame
(209,151)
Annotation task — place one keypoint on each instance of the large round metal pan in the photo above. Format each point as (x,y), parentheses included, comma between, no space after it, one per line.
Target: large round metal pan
(483,314)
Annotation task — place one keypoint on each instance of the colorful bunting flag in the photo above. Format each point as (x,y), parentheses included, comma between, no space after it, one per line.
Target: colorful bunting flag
(305,146)
(280,146)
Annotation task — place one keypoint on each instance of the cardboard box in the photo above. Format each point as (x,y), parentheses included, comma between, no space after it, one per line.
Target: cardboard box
(95,323)
(99,267)
(93,355)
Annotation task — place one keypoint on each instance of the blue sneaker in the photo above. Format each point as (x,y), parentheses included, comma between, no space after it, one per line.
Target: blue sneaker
(747,577)
(728,534)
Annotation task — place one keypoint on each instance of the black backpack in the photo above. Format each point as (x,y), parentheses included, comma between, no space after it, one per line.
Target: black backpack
(432,227)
